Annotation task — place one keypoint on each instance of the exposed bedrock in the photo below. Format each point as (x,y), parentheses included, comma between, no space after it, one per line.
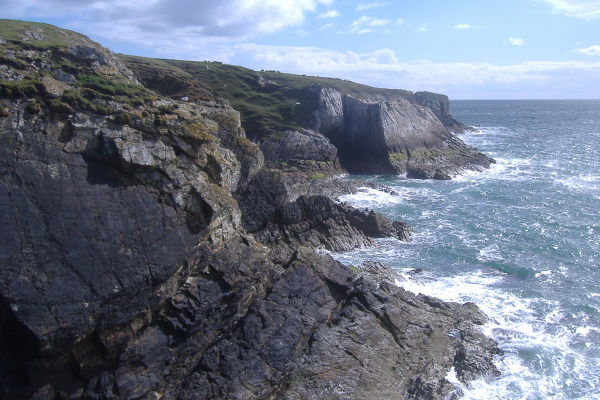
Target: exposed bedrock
(408,134)
(319,222)
(301,149)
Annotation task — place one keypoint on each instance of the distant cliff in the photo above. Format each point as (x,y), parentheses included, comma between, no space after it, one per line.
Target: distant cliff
(149,251)
(372,130)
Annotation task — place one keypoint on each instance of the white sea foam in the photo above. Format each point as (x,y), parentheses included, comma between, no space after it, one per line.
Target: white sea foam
(504,169)
(490,253)
(581,182)
(530,338)
(368,197)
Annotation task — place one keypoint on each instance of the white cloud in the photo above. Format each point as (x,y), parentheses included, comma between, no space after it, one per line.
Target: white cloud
(149,20)
(462,26)
(383,68)
(587,9)
(515,41)
(366,24)
(369,6)
(423,28)
(329,14)
(590,51)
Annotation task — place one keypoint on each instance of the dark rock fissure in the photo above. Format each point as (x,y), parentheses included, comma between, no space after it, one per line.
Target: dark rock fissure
(199,212)
(18,346)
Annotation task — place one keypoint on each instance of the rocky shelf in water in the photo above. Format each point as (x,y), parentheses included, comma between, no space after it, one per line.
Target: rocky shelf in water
(150,250)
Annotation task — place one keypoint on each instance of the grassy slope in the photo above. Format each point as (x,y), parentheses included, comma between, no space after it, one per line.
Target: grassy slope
(282,100)
(29,68)
(13,31)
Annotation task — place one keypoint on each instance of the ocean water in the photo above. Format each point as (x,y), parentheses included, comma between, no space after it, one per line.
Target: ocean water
(521,240)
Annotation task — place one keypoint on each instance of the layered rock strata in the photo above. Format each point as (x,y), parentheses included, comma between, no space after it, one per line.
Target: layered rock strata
(407,134)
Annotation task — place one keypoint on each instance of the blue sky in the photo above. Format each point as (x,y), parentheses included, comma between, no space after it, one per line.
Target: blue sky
(467,49)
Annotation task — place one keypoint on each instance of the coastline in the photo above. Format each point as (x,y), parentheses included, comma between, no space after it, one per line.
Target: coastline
(152,249)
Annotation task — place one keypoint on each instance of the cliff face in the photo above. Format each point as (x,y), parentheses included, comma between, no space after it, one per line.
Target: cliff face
(407,134)
(128,270)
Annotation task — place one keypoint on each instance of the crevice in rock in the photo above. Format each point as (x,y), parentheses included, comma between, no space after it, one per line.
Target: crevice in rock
(383,320)
(199,212)
(103,173)
(18,345)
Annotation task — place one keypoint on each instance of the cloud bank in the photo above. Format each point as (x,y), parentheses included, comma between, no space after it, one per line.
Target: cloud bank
(590,51)
(136,19)
(587,9)
(383,68)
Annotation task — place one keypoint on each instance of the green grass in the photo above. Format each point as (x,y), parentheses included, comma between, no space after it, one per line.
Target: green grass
(398,157)
(285,101)
(110,88)
(24,88)
(15,33)
(317,176)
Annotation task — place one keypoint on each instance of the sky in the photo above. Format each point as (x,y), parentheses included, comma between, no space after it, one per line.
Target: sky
(467,49)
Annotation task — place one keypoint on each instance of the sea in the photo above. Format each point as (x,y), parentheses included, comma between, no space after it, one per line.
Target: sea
(520,239)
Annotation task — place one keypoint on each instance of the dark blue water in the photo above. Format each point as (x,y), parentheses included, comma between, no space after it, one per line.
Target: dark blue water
(522,240)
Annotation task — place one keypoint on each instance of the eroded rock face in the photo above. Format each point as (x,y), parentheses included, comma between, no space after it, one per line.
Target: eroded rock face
(406,134)
(319,222)
(127,270)
(302,148)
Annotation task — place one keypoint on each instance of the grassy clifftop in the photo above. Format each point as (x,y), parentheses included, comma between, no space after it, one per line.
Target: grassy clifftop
(269,101)
(15,34)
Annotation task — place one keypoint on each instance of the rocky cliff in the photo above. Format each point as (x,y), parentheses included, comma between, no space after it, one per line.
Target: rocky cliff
(402,134)
(146,253)
(355,127)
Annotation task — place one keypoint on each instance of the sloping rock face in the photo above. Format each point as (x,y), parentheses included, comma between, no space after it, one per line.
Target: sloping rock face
(303,149)
(319,222)
(407,134)
(440,105)
(126,271)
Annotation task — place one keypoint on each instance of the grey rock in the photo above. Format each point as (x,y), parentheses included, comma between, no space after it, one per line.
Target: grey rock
(319,222)
(303,144)
(396,134)
(65,77)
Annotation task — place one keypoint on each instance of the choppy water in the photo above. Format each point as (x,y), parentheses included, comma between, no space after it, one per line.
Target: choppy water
(521,240)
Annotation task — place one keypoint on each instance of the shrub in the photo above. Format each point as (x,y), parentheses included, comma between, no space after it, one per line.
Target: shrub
(60,107)
(122,118)
(33,107)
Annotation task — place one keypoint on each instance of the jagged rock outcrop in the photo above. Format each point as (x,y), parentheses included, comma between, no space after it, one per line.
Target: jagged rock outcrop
(302,149)
(319,222)
(127,271)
